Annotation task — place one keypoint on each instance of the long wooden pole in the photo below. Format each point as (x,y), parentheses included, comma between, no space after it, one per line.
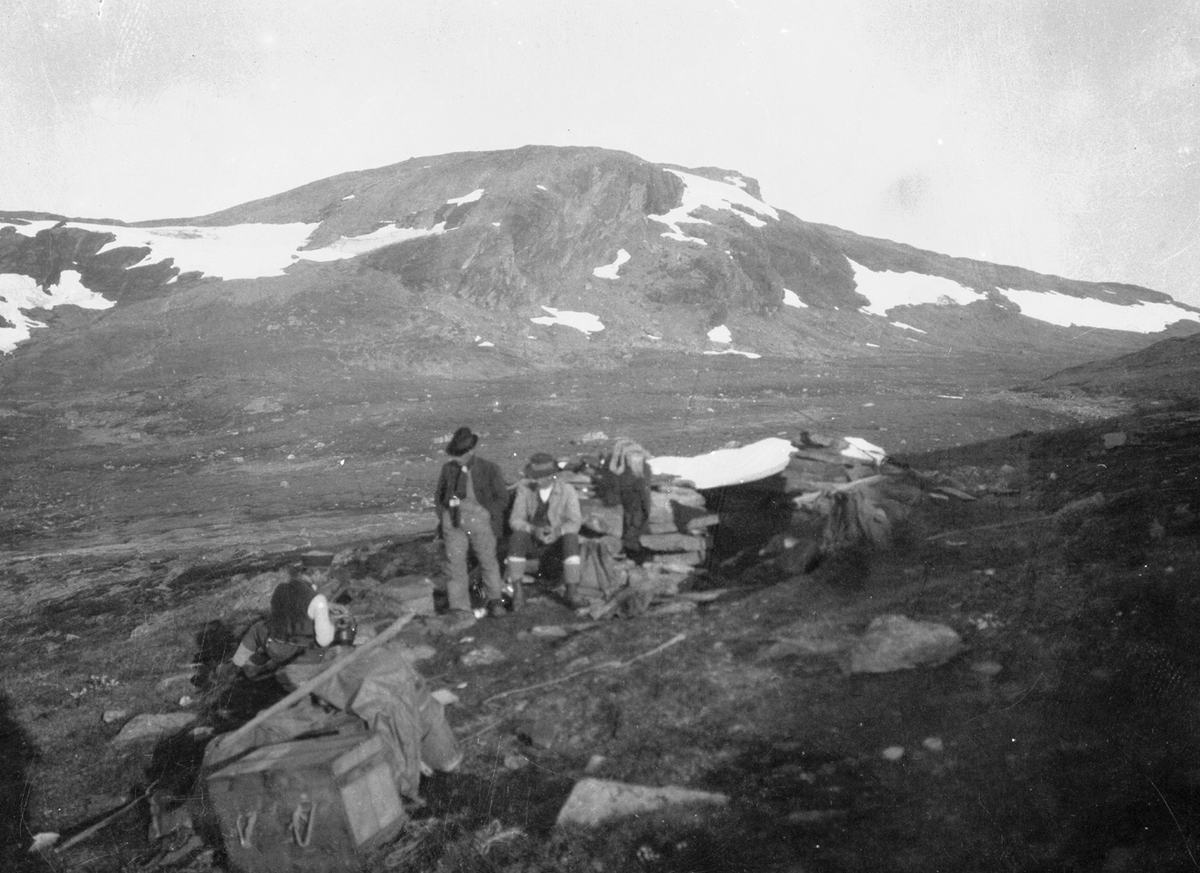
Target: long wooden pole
(313,684)
(106,821)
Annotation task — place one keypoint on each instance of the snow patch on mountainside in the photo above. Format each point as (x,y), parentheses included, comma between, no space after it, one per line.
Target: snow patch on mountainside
(19,292)
(791,299)
(751,355)
(31,229)
(698,192)
(609,271)
(466,198)
(349,246)
(1067,311)
(887,290)
(238,251)
(246,251)
(585,322)
(720,334)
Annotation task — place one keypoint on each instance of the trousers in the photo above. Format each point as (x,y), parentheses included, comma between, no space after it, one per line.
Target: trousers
(473,534)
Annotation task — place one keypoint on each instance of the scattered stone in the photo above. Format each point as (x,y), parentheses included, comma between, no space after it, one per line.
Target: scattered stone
(43,841)
(152,726)
(514,761)
(594,763)
(204,730)
(165,683)
(986,668)
(410,594)
(141,630)
(594,801)
(445,696)
(893,642)
(1115,439)
(934,744)
(483,656)
(702,596)
(419,652)
(186,700)
(112,716)
(893,753)
(263,405)
(453,623)
(551,631)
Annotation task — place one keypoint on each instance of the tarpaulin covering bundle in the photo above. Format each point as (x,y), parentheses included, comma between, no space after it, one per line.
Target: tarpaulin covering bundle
(385,691)
(381,689)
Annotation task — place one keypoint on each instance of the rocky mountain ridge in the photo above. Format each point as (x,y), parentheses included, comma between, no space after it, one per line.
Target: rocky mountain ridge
(488,262)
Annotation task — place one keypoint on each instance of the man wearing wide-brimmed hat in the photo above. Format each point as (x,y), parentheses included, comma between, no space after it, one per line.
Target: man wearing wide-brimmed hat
(545,522)
(471,499)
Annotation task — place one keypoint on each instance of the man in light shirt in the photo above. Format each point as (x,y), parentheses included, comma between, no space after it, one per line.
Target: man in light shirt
(545,522)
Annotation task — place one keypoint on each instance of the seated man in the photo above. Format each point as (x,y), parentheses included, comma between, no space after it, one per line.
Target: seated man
(545,522)
(295,641)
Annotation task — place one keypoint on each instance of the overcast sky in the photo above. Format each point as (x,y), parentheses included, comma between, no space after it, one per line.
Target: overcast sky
(1060,135)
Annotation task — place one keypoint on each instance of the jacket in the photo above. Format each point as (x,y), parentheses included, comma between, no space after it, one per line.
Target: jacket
(563,510)
(490,489)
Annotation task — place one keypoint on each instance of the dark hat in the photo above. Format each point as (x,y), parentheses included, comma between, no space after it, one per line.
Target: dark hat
(312,560)
(541,465)
(462,442)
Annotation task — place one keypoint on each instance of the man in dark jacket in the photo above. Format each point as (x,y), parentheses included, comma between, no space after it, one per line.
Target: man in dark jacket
(296,641)
(471,499)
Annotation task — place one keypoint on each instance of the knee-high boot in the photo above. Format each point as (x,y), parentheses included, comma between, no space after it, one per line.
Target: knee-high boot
(571,574)
(514,579)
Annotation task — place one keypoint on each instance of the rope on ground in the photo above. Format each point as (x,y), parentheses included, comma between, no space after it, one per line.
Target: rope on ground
(607,665)
(965,530)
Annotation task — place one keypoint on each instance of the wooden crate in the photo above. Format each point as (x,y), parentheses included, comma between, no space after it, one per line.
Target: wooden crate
(307,805)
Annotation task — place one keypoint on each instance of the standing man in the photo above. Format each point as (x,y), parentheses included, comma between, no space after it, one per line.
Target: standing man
(471,499)
(545,523)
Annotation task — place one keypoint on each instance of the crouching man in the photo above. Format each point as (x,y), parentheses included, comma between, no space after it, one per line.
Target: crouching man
(545,522)
(377,690)
(296,641)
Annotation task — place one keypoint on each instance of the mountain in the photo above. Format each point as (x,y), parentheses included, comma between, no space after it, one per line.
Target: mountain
(487,263)
(1164,371)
